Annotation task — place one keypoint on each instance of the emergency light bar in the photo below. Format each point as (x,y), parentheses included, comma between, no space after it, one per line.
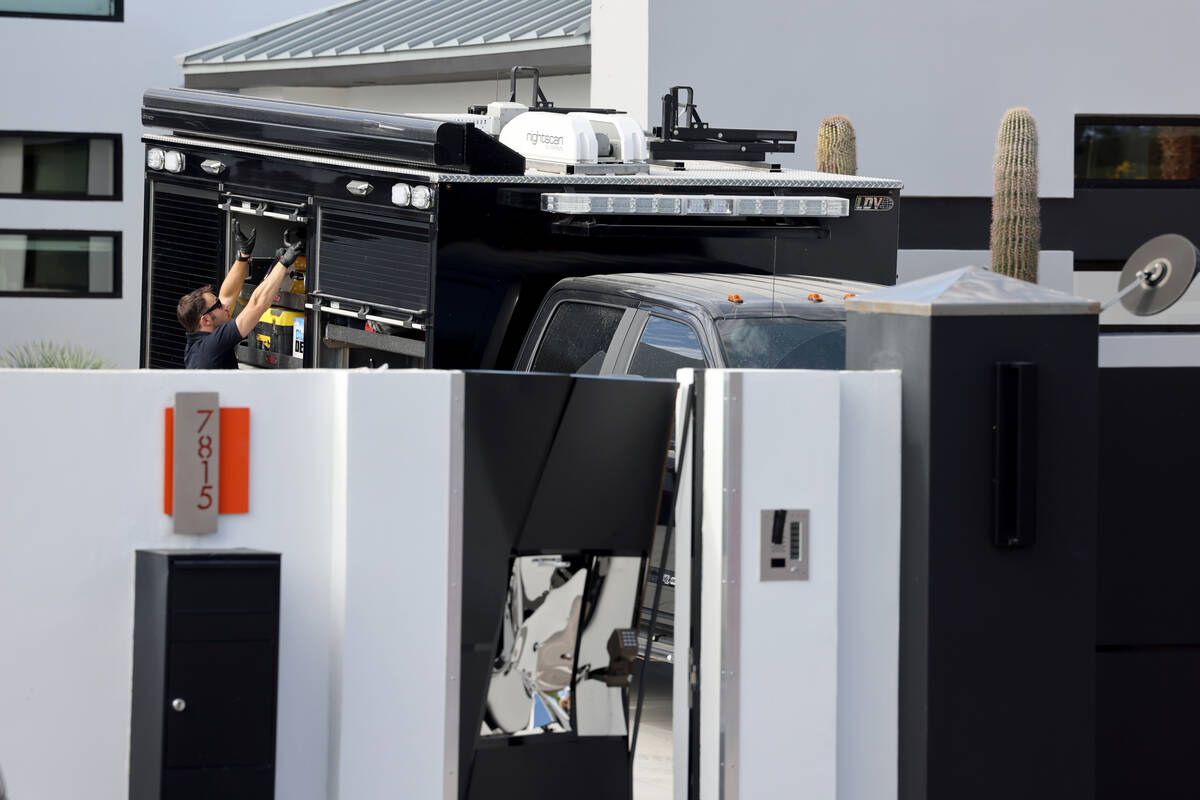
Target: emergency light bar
(695,205)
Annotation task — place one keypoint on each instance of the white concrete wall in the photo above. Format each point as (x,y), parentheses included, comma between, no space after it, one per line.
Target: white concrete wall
(620,39)
(85,76)
(924,84)
(798,679)
(81,490)
(442,98)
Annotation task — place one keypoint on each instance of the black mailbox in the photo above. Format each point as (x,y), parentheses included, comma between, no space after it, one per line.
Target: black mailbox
(205,667)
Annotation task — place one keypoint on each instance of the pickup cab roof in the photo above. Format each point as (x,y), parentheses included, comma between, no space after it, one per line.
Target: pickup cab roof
(708,294)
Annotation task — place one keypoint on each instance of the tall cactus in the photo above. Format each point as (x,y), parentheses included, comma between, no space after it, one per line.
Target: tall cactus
(836,147)
(1016,215)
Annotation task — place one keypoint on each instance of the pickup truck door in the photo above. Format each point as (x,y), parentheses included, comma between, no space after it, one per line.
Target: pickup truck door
(577,336)
(658,342)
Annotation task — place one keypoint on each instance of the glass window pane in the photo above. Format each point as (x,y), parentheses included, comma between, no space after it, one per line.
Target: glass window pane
(783,343)
(1137,152)
(665,346)
(577,338)
(55,262)
(91,8)
(58,165)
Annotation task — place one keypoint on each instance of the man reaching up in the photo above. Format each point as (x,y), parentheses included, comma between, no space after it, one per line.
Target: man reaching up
(212,331)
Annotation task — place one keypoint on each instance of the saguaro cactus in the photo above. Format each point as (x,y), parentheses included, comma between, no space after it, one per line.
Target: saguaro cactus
(836,147)
(1016,215)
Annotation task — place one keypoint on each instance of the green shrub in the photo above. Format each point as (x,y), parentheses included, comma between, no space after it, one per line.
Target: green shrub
(42,355)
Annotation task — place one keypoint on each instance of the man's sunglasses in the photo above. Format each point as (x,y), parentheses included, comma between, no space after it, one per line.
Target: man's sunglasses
(214,307)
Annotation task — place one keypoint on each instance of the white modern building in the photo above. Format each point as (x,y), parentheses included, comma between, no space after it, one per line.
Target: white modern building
(71,160)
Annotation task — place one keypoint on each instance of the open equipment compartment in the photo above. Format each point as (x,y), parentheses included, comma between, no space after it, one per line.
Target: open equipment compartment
(430,244)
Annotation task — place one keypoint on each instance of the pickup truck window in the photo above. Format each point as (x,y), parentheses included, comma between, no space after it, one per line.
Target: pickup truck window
(665,346)
(577,338)
(783,343)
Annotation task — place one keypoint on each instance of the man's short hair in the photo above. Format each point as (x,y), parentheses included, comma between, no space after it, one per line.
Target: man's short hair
(191,307)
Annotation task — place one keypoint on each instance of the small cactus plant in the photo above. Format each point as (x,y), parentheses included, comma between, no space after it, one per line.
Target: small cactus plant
(836,147)
(1016,215)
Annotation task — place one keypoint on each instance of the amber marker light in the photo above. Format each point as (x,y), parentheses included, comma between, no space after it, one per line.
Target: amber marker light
(816,298)
(735,298)
(848,296)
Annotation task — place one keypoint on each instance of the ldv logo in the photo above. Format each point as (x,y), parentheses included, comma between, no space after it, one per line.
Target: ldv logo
(874,203)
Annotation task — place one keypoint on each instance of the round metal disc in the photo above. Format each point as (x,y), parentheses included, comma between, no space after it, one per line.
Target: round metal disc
(1172,260)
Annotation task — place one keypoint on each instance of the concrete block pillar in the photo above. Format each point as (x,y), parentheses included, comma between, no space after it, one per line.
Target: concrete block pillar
(998,531)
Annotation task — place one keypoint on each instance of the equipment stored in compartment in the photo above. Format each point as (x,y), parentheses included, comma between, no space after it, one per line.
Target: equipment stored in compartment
(276,330)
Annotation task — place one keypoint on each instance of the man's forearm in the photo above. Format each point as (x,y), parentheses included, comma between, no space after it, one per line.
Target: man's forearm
(265,292)
(232,285)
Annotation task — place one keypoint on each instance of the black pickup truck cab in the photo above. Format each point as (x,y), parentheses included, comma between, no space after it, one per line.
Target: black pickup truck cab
(653,324)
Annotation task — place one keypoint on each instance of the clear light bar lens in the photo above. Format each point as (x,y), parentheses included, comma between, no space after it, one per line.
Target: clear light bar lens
(154,158)
(695,205)
(422,197)
(401,194)
(173,161)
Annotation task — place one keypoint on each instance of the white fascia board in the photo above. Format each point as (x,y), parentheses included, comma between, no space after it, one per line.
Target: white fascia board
(417,54)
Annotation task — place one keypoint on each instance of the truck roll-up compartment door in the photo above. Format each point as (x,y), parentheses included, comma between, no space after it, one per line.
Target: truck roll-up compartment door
(184,251)
(378,262)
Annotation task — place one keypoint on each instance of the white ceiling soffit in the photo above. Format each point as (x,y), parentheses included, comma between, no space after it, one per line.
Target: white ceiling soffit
(402,41)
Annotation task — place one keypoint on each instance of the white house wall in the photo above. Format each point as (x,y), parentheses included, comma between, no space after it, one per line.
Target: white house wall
(81,490)
(85,76)
(355,486)
(924,84)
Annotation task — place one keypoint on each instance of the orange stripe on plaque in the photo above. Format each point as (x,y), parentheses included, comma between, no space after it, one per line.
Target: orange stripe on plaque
(169,461)
(235,460)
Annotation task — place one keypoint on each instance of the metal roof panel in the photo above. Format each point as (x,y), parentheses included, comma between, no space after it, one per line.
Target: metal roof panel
(397,25)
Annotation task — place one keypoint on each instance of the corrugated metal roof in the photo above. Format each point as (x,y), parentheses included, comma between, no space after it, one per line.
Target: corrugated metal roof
(366,27)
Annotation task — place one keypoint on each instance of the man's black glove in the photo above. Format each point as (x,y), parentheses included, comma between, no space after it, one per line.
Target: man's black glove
(286,257)
(245,244)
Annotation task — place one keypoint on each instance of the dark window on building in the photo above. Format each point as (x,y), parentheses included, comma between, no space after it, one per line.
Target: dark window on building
(102,10)
(577,339)
(665,346)
(1137,151)
(60,166)
(60,263)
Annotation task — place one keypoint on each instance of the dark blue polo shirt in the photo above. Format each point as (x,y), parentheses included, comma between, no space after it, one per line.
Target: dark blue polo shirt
(212,350)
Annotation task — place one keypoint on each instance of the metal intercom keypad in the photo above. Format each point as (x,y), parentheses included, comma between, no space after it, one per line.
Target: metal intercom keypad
(784,545)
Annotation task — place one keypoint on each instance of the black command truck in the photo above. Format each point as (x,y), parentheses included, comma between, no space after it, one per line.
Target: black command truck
(431,240)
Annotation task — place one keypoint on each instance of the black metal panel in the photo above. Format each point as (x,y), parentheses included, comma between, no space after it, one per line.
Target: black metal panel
(587,768)
(525,441)
(375,260)
(1148,704)
(997,645)
(206,633)
(186,250)
(1148,591)
(375,135)
(1098,225)
(604,470)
